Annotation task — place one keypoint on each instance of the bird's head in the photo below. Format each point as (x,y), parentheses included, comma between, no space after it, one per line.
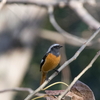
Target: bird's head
(54,49)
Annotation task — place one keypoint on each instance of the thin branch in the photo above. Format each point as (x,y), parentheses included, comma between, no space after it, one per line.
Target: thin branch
(67,35)
(21,89)
(50,35)
(63,66)
(3,2)
(75,79)
(91,2)
(44,3)
(84,14)
(17,90)
(76,5)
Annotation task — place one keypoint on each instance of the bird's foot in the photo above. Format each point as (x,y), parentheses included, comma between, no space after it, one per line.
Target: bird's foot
(56,71)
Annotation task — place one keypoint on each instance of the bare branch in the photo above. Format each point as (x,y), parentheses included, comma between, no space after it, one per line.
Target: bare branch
(76,5)
(3,2)
(47,3)
(67,35)
(75,79)
(17,90)
(37,2)
(83,14)
(79,51)
(63,66)
(50,35)
(91,2)
(21,89)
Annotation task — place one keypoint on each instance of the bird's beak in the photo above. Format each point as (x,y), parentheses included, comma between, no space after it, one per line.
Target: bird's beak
(60,46)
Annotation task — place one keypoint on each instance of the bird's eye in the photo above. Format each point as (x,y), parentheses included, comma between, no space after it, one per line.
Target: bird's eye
(57,47)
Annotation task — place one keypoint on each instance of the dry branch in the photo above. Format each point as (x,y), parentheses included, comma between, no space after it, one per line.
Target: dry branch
(79,91)
(2,3)
(50,35)
(17,90)
(14,63)
(47,3)
(77,9)
(84,14)
(67,35)
(37,2)
(76,78)
(77,6)
(30,96)
(21,89)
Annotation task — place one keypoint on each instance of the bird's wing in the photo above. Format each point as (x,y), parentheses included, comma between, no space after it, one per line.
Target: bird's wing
(43,60)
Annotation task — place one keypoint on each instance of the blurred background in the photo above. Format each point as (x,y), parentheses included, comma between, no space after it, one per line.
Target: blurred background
(26,34)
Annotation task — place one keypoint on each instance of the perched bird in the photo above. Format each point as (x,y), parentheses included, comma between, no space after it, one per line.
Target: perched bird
(50,60)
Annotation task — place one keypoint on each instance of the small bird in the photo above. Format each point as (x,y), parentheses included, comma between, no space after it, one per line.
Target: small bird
(50,60)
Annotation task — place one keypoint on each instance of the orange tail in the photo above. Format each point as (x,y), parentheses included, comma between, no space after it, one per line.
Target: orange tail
(43,77)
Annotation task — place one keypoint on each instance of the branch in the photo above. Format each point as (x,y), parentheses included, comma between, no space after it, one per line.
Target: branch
(67,35)
(17,90)
(83,14)
(3,2)
(77,6)
(75,79)
(21,90)
(63,66)
(44,3)
(50,35)
(91,2)
(47,3)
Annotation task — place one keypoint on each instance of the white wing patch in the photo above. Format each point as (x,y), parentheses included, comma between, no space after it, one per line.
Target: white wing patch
(41,60)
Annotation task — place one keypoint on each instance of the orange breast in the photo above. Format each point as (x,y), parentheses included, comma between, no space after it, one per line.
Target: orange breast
(50,63)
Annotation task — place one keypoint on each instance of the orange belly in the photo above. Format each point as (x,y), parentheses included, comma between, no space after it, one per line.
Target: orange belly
(50,63)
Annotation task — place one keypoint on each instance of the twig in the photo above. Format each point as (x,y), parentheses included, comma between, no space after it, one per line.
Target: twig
(3,2)
(44,3)
(63,66)
(17,90)
(76,5)
(75,79)
(91,2)
(67,35)
(50,35)
(84,14)
(21,89)
(54,84)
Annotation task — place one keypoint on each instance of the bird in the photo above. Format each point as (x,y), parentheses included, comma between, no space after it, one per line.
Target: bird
(50,61)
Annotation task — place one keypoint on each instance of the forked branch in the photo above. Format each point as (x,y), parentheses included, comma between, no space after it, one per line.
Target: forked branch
(2,3)
(30,96)
(76,79)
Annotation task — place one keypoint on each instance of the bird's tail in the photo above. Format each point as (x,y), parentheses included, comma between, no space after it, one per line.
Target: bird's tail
(43,77)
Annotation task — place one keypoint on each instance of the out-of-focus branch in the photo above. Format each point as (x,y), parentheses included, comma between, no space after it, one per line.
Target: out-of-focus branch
(17,90)
(50,35)
(21,89)
(63,66)
(67,36)
(75,79)
(65,73)
(91,2)
(76,5)
(18,57)
(84,14)
(47,3)
(3,2)
(38,2)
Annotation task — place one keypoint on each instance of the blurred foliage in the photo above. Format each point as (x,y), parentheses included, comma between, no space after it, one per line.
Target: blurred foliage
(70,22)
